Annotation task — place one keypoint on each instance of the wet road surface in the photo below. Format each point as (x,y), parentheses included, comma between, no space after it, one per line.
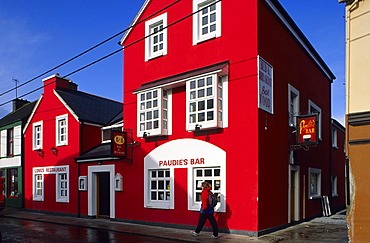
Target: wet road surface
(19,230)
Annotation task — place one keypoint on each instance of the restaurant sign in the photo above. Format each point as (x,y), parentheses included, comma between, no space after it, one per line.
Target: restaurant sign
(265,86)
(307,129)
(119,145)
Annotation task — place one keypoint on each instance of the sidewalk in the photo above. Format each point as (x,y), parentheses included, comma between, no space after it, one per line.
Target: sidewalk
(329,229)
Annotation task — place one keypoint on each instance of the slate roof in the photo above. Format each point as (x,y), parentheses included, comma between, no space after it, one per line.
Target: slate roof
(91,108)
(20,114)
(100,152)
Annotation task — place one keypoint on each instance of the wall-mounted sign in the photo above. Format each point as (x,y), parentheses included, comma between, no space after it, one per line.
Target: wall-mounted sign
(307,129)
(265,86)
(119,144)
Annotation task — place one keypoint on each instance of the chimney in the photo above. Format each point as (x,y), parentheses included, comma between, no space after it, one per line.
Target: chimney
(18,103)
(56,81)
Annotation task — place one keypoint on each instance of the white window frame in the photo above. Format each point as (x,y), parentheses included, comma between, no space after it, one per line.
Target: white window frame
(58,130)
(317,182)
(62,187)
(165,203)
(312,106)
(212,179)
(197,20)
(219,97)
(293,105)
(150,26)
(334,134)
(38,179)
(146,112)
(35,136)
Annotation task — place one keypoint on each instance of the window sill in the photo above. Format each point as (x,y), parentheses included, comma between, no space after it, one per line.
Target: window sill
(206,38)
(314,197)
(335,195)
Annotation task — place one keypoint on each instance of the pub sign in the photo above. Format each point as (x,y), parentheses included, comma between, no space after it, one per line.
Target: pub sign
(119,144)
(307,129)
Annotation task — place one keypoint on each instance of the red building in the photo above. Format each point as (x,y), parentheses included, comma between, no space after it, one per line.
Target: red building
(64,124)
(211,93)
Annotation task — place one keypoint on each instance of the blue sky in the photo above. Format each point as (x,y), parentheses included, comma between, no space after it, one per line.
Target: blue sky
(38,35)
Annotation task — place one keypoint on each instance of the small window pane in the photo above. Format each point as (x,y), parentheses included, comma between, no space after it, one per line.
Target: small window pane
(155,124)
(208,172)
(160,173)
(192,85)
(199,172)
(201,116)
(201,105)
(155,114)
(154,185)
(149,115)
(209,115)
(160,184)
(192,118)
(193,107)
(153,196)
(212,28)
(148,104)
(154,174)
(142,97)
(212,17)
(209,91)
(200,93)
(167,173)
(192,95)
(210,104)
(155,103)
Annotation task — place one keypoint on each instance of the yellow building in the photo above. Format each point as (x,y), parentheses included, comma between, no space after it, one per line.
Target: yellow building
(358,117)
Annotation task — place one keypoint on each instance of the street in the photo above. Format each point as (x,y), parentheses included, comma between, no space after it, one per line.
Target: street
(19,230)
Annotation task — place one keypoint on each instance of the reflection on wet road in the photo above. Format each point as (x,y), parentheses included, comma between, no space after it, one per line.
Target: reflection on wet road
(18,230)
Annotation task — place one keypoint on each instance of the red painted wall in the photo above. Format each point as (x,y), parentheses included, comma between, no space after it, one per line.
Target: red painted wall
(256,143)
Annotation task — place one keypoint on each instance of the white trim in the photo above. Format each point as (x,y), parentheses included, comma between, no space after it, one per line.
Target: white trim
(32,113)
(59,198)
(159,20)
(35,197)
(186,153)
(92,187)
(291,90)
(17,140)
(197,37)
(66,105)
(311,104)
(57,130)
(34,146)
(178,82)
(143,7)
(296,35)
(4,143)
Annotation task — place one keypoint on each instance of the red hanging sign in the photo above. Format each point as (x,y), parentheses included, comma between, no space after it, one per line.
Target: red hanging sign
(119,144)
(307,129)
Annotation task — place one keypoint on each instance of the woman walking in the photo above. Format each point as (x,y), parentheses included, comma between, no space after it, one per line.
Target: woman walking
(206,212)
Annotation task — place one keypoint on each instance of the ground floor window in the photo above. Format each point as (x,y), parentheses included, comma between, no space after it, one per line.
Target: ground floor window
(38,194)
(62,189)
(13,182)
(160,187)
(314,183)
(210,175)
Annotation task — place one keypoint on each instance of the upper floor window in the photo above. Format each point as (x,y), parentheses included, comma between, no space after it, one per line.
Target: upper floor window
(156,37)
(154,112)
(205,102)
(207,20)
(37,135)
(314,109)
(10,142)
(334,137)
(293,101)
(62,130)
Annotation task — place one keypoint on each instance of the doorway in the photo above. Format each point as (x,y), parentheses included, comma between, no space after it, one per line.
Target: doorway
(100,189)
(294,194)
(103,195)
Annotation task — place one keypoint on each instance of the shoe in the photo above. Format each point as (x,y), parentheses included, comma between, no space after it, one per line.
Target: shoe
(214,237)
(194,233)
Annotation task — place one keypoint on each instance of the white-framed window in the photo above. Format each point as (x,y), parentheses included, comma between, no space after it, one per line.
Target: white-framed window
(293,102)
(334,137)
(160,189)
(62,187)
(61,130)
(210,175)
(314,109)
(206,22)
(156,37)
(154,112)
(37,135)
(334,186)
(38,187)
(206,102)
(314,183)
